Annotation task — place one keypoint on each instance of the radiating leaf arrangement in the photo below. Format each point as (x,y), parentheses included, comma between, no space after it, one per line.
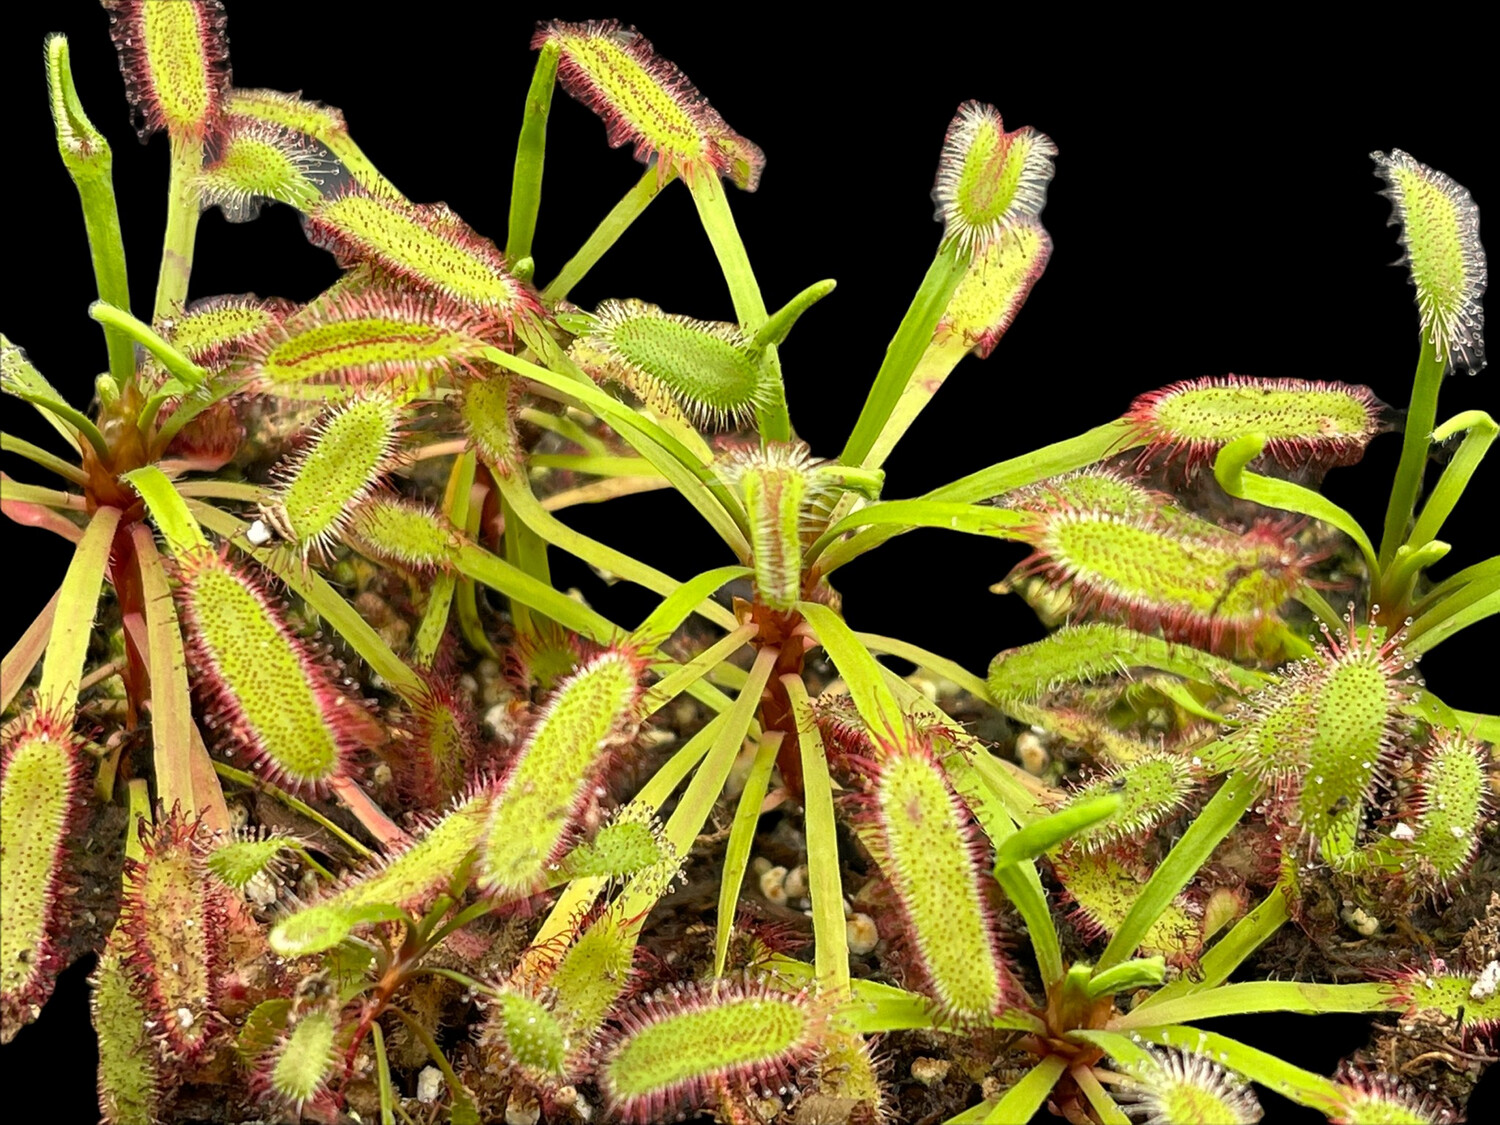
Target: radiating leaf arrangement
(316,541)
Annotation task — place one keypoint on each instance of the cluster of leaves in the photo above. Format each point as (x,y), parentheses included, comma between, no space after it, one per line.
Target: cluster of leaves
(499,877)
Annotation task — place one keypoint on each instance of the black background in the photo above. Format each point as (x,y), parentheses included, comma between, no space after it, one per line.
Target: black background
(1213,211)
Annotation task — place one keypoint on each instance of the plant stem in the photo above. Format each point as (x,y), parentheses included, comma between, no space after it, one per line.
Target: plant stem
(737,849)
(608,232)
(182,228)
(1420,418)
(749,305)
(531,151)
(68,643)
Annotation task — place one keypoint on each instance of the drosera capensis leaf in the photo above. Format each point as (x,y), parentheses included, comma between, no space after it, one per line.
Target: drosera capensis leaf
(216,330)
(1453,803)
(487,410)
(1376,1097)
(1097,488)
(439,743)
(1082,653)
(271,698)
(530,1034)
(403,879)
(1103,887)
(427,246)
(353,446)
(588,716)
(1440,234)
(989,179)
(929,851)
(239,860)
(374,336)
(174,917)
(175,60)
(41,784)
(404,532)
(130,1078)
(305,1058)
(1324,732)
(1151,789)
(629,842)
(1179,1087)
(1461,996)
(323,123)
(990,295)
(647,102)
(704,370)
(675,1046)
(1196,582)
(255,163)
(1302,420)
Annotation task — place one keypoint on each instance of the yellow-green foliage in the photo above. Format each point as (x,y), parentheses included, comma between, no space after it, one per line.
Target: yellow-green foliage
(487,410)
(926,852)
(1103,890)
(279,704)
(674,364)
(404,532)
(554,772)
(353,446)
(992,291)
(305,1059)
(989,179)
(530,1034)
(260,162)
(1186,1088)
(38,788)
(129,1072)
(172,55)
(1151,789)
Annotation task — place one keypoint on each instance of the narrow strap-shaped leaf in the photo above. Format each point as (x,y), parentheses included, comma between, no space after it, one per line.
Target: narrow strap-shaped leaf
(665,619)
(1429,636)
(1100,1102)
(703,791)
(1022,1101)
(1263,996)
(1416,440)
(972,519)
(17,374)
(1489,568)
(1229,952)
(36,494)
(383,1075)
(518,495)
(490,570)
(830,933)
(1229,469)
(46,460)
(168,510)
(531,150)
(1216,821)
(181,368)
(607,233)
(737,848)
(68,643)
(179,779)
(913,335)
(26,652)
(1481,431)
(434,623)
(69,422)
(860,671)
(678,678)
(1483,727)
(948,669)
(1045,834)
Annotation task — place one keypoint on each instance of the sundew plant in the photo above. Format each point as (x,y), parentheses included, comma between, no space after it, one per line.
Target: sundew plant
(366,818)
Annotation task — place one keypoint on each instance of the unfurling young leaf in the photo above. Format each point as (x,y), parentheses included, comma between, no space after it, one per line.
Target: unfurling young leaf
(781,490)
(988,180)
(1304,421)
(676,365)
(173,917)
(353,446)
(646,101)
(1440,233)
(263,689)
(402,340)
(1176,1087)
(255,163)
(41,781)
(428,246)
(175,60)
(588,716)
(1374,1097)
(675,1046)
(928,849)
